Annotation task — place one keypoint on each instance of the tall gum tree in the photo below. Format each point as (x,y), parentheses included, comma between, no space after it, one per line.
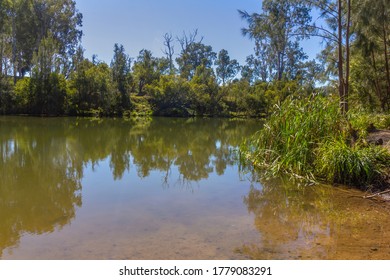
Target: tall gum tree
(31,21)
(277,31)
(227,68)
(337,16)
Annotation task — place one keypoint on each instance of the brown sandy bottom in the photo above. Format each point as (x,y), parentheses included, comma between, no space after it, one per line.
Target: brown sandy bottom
(206,239)
(338,224)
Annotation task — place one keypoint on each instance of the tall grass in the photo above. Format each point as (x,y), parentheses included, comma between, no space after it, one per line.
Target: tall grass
(361,166)
(308,138)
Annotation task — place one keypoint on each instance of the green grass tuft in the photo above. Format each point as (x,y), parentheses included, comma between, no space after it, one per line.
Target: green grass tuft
(309,139)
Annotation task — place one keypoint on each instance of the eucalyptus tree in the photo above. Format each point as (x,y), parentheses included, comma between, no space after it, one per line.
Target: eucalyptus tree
(61,19)
(31,21)
(47,90)
(227,68)
(193,54)
(337,15)
(255,69)
(169,51)
(277,31)
(5,35)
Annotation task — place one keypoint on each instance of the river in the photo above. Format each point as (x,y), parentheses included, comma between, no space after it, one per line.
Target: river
(166,188)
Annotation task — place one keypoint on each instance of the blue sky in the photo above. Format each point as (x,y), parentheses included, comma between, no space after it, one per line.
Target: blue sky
(141,24)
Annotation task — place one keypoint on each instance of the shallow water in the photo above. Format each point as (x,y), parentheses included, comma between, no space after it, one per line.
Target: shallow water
(166,189)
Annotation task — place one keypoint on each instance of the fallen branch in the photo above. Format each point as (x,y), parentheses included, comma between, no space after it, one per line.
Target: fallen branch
(376,194)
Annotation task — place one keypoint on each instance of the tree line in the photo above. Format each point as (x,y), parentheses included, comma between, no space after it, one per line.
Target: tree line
(43,69)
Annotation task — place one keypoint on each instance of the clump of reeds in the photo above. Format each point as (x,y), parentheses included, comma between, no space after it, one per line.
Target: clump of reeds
(309,139)
(361,166)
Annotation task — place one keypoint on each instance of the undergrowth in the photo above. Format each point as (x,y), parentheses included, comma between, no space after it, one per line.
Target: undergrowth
(309,139)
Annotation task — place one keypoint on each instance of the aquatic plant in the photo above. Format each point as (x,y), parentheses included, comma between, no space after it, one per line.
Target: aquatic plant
(337,162)
(309,139)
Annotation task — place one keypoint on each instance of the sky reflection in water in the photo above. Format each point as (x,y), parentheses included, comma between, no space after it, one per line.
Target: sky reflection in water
(164,189)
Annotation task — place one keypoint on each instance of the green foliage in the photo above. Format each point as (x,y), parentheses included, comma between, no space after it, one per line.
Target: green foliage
(370,63)
(145,70)
(277,32)
(122,78)
(205,97)
(246,100)
(92,88)
(6,93)
(337,162)
(288,140)
(40,39)
(193,54)
(306,139)
(47,95)
(21,96)
(364,122)
(226,69)
(140,107)
(170,96)
(33,22)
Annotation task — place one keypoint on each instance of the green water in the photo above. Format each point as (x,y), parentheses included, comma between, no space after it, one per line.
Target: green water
(166,189)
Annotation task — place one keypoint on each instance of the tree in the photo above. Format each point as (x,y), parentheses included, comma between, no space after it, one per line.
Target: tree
(371,60)
(205,95)
(277,32)
(4,53)
(92,90)
(169,51)
(254,69)
(47,86)
(193,54)
(61,19)
(169,95)
(31,21)
(227,69)
(120,67)
(337,35)
(145,70)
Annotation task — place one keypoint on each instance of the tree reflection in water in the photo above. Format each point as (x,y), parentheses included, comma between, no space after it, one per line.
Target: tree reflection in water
(318,222)
(42,162)
(40,180)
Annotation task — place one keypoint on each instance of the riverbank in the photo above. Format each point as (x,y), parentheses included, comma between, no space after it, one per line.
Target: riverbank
(309,140)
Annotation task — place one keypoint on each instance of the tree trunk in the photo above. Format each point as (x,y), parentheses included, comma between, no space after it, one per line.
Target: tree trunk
(386,61)
(347,59)
(1,56)
(377,82)
(279,67)
(14,65)
(340,58)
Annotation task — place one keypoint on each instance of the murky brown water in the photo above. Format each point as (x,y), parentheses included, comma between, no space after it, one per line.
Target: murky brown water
(166,189)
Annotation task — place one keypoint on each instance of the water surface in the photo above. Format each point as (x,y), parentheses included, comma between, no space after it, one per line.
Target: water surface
(166,189)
